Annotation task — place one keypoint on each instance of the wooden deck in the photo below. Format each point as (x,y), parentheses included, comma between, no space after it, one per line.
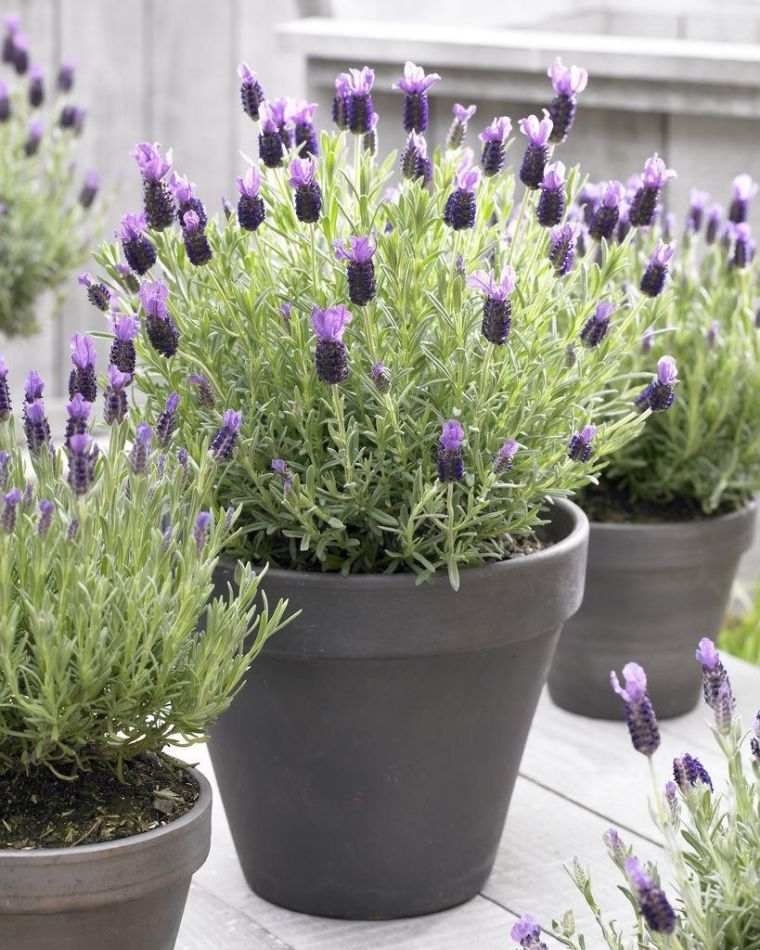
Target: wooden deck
(578,778)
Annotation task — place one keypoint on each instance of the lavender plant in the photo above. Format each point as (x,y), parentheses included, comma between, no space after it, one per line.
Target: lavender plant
(46,224)
(106,564)
(711,839)
(401,368)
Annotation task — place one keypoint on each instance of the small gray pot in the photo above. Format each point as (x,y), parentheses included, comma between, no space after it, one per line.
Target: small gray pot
(652,592)
(123,895)
(366,767)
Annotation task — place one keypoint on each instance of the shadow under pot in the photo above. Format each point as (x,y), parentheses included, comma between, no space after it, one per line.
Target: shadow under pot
(367,766)
(652,592)
(128,894)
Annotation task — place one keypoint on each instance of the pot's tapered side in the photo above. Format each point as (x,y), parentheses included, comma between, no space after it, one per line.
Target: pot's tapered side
(652,592)
(367,766)
(128,894)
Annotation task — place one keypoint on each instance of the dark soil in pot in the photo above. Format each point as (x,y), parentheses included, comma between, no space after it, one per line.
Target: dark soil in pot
(367,766)
(653,589)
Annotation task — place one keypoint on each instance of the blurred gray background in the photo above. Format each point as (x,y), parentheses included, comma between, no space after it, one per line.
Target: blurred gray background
(680,78)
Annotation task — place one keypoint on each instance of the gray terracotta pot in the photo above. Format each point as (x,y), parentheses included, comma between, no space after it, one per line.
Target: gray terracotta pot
(367,766)
(123,895)
(652,591)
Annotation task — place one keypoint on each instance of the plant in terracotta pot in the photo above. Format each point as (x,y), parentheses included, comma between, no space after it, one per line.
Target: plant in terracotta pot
(106,567)
(674,511)
(395,385)
(46,225)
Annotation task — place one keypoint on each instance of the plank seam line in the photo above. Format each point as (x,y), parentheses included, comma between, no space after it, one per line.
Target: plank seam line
(275,942)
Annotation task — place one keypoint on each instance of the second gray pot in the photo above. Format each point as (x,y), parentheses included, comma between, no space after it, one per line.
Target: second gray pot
(652,591)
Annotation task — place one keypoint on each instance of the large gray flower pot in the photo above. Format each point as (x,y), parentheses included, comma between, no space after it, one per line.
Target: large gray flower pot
(367,766)
(652,591)
(123,895)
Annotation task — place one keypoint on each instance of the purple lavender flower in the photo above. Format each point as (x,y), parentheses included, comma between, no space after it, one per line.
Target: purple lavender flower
(624,222)
(10,505)
(167,421)
(83,454)
(281,111)
(415,84)
(183,191)
(115,397)
(196,243)
(34,387)
(36,93)
(689,772)
(580,448)
(12,24)
(33,137)
(304,132)
(90,189)
(562,245)
(588,201)
(225,440)
(616,847)
(157,198)
(126,277)
(653,279)
(78,411)
(72,118)
(161,328)
(19,46)
(97,293)
(369,142)
(415,164)
(6,406)
(271,148)
(458,127)
(653,904)
(205,393)
(251,93)
(36,427)
(82,378)
(138,457)
(505,456)
(659,395)
(461,207)
(607,212)
(697,203)
(5,458)
(201,528)
(47,510)
(716,685)
(494,138)
(527,933)
(360,270)
(361,107)
(647,340)
(281,468)
(744,246)
(341,104)
(755,741)
(65,80)
(450,462)
(538,132)
(497,307)
(138,250)
(671,800)
(639,712)
(5,102)
(568,82)
(250,209)
(714,220)
(381,377)
(551,203)
(331,355)
(743,190)
(596,327)
(308,199)
(124,328)
(712,334)
(644,204)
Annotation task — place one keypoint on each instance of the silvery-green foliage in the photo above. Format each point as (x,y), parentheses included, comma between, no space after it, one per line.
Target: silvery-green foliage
(364,495)
(101,651)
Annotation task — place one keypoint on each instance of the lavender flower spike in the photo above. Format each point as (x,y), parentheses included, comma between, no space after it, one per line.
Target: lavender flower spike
(305,134)
(47,510)
(200,530)
(607,212)
(494,138)
(36,87)
(653,278)
(563,242)
(225,440)
(659,395)
(65,79)
(271,147)
(712,227)
(138,457)
(6,405)
(281,468)
(616,848)
(527,933)
(450,462)
(505,456)
(83,454)
(697,203)
(157,198)
(644,204)
(415,84)
(415,164)
(167,421)
(341,104)
(744,246)
(251,93)
(551,203)
(124,328)
(308,200)
(714,675)
(82,378)
(361,108)
(712,334)
(597,325)
(689,772)
(538,132)
(497,307)
(458,127)
(653,904)
(196,243)
(461,207)
(568,82)
(115,396)
(78,410)
(138,250)
(10,505)
(381,377)
(186,200)
(580,447)
(36,427)
(5,102)
(161,328)
(331,355)
(34,133)
(33,386)
(639,712)
(755,741)
(360,270)
(250,209)
(90,189)
(743,190)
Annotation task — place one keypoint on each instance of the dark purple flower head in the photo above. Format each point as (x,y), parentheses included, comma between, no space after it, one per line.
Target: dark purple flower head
(360,105)
(66,77)
(5,393)
(36,93)
(712,334)
(639,712)
(562,246)
(361,270)
(308,200)
(415,164)
(716,685)
(596,327)
(653,279)
(567,80)
(743,190)
(46,511)
(551,203)
(82,379)
(34,386)
(580,447)
(10,504)
(201,528)
(381,377)
(83,454)
(505,456)
(415,85)
(34,132)
(689,772)
(714,221)
(606,214)
(281,468)
(225,440)
(115,395)
(744,246)
(153,166)
(497,307)
(537,131)
(78,410)
(251,93)
(138,457)
(251,211)
(90,188)
(162,331)
(36,427)
(494,138)
(450,462)
(698,201)
(527,933)
(460,209)
(167,421)
(341,101)
(653,904)
(205,392)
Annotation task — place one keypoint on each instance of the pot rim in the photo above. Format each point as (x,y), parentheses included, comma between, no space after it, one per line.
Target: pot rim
(690,524)
(575,538)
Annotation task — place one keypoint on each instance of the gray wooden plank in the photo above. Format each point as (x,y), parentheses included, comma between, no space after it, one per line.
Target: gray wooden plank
(210,923)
